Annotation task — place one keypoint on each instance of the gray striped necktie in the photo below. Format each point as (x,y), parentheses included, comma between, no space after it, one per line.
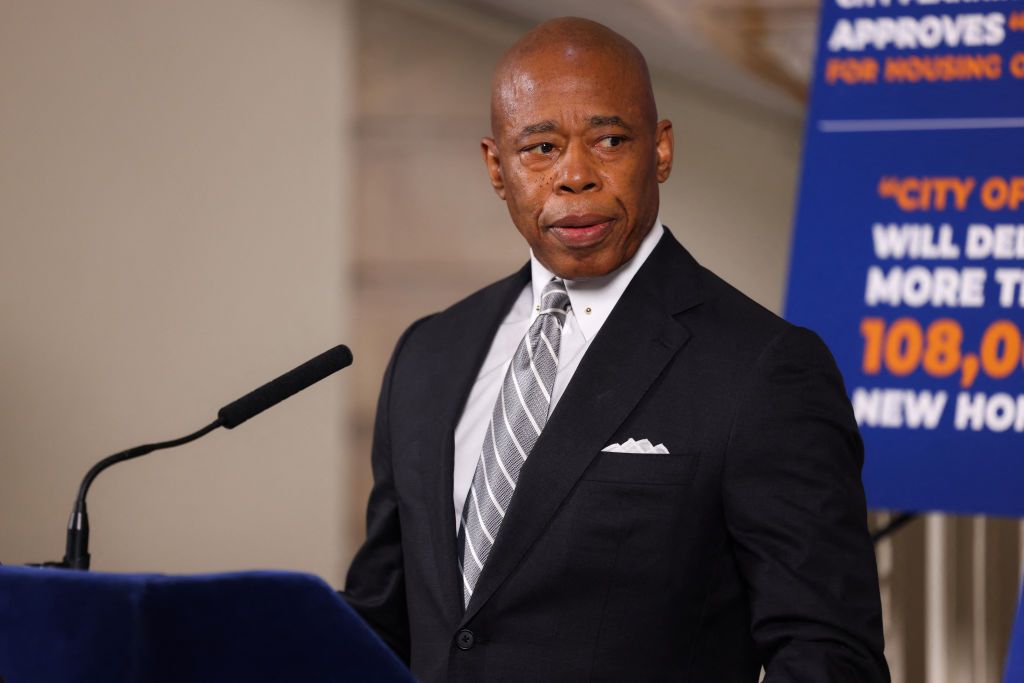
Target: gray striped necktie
(519,415)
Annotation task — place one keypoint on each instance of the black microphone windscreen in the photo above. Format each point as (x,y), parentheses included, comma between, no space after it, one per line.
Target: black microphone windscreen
(277,390)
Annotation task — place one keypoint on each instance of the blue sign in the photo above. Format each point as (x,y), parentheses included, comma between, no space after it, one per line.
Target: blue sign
(908,254)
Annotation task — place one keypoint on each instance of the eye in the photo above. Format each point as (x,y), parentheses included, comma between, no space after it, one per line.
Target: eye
(542,148)
(611,141)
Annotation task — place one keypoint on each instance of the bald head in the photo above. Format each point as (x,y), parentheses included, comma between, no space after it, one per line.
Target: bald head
(569,45)
(577,152)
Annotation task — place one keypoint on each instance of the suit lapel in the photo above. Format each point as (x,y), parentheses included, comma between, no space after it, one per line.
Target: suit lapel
(468,334)
(633,347)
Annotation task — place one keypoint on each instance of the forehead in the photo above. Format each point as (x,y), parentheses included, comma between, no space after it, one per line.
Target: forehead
(568,86)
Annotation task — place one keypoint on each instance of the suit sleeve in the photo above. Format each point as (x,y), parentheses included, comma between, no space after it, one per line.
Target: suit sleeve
(795,509)
(375,584)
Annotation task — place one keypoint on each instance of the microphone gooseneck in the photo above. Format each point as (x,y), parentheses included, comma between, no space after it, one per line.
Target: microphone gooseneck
(76,555)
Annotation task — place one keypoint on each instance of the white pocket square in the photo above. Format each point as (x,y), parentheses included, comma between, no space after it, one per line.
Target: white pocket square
(633,446)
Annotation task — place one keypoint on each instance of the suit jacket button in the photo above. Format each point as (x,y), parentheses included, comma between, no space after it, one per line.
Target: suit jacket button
(465,639)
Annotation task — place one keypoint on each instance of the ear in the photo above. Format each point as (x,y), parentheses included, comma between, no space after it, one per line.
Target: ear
(493,162)
(663,148)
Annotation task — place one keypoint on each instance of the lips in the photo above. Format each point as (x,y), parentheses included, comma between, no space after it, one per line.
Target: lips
(581,230)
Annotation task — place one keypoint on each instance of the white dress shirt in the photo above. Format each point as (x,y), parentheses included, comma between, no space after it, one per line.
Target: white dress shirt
(592,301)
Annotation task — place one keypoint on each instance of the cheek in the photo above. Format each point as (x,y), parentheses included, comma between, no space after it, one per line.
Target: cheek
(525,194)
(635,188)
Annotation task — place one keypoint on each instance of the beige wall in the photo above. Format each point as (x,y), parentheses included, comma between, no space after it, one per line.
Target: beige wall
(173,211)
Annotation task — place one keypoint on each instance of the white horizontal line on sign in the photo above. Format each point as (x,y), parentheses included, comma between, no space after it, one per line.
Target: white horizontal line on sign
(883,125)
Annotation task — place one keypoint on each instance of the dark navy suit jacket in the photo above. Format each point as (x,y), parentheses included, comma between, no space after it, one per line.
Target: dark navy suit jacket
(745,546)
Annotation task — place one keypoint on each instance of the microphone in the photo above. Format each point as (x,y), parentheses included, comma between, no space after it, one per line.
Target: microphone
(76,555)
(288,384)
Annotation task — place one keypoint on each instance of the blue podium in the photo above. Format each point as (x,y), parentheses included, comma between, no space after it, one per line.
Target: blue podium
(60,626)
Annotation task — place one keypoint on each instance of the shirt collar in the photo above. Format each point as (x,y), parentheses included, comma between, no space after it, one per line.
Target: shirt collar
(592,300)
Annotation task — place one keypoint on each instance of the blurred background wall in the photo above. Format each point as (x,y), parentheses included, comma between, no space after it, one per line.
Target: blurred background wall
(196,196)
(174,204)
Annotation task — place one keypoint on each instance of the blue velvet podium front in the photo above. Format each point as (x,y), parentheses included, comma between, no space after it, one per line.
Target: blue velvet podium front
(59,625)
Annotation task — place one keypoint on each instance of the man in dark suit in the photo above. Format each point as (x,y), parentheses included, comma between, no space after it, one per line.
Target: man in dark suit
(611,465)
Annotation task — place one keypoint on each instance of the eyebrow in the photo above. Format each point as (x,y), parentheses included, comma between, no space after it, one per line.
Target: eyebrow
(601,121)
(534,128)
(593,122)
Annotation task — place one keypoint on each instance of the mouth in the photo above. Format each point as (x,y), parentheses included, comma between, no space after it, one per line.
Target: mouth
(578,231)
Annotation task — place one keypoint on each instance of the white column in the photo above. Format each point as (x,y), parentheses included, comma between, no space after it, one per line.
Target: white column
(938,597)
(979,600)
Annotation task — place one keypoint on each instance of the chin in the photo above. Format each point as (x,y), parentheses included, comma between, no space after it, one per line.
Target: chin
(574,269)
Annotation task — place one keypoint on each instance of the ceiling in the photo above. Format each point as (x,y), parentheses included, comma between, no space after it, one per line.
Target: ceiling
(757,50)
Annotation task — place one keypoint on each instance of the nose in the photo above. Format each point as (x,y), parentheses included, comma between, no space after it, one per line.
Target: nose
(577,173)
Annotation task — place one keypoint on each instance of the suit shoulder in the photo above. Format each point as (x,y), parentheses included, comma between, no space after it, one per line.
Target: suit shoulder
(766,336)
(737,311)
(751,326)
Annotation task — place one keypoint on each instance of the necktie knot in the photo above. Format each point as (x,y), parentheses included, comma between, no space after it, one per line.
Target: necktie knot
(554,301)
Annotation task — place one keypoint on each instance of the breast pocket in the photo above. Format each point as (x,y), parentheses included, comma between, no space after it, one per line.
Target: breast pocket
(633,500)
(658,469)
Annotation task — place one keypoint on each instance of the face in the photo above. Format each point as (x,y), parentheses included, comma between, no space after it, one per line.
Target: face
(577,158)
